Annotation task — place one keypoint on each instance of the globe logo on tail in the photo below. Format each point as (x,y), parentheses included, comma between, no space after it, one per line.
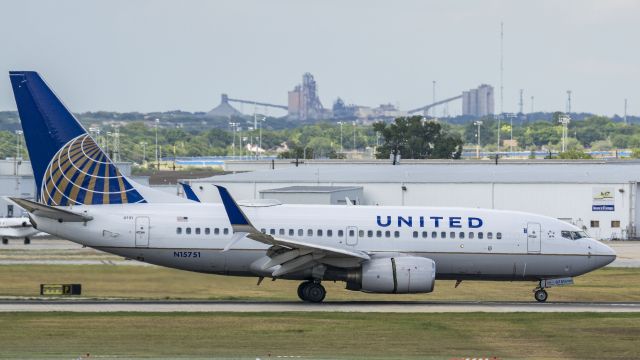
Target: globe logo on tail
(81,173)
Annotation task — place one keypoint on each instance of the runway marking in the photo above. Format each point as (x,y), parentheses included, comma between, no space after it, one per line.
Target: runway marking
(364,307)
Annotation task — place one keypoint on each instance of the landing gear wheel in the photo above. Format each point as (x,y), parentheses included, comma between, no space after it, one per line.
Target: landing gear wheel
(27,241)
(5,241)
(301,290)
(315,293)
(541,295)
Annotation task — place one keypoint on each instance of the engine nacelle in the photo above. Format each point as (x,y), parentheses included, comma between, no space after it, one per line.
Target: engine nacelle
(399,275)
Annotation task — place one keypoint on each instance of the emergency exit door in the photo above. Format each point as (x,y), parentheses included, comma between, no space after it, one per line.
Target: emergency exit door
(352,235)
(142,231)
(534,238)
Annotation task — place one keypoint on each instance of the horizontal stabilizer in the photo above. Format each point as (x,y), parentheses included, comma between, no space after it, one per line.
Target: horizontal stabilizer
(50,212)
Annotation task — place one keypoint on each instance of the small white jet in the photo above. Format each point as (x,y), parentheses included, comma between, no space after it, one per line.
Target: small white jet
(16,228)
(378,249)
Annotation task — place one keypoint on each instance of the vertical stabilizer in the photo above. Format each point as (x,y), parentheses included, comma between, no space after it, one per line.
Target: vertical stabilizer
(69,167)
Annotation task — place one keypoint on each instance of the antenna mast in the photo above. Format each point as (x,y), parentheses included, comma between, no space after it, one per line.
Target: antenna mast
(521,103)
(501,67)
(625,111)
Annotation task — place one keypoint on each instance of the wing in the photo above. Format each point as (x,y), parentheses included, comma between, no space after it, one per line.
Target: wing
(292,255)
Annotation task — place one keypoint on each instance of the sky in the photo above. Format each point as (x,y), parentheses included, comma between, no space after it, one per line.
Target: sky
(159,55)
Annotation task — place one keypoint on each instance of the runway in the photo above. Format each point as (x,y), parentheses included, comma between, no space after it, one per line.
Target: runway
(100,306)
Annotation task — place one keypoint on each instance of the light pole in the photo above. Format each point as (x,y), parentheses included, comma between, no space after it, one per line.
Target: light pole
(478,123)
(564,119)
(499,129)
(511,116)
(144,152)
(18,135)
(341,147)
(240,148)
(96,135)
(106,148)
(434,99)
(233,126)
(157,122)
(260,135)
(354,136)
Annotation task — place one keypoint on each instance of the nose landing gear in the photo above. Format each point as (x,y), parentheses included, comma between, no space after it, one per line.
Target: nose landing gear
(540,295)
(311,291)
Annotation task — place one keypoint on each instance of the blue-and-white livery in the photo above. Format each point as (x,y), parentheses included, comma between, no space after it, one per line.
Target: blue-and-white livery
(68,166)
(382,249)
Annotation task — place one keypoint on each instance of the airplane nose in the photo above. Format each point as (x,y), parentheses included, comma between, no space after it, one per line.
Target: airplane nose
(604,254)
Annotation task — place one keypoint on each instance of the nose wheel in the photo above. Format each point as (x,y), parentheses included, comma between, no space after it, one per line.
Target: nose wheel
(540,295)
(311,291)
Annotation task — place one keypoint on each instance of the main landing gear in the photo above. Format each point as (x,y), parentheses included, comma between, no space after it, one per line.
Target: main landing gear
(311,291)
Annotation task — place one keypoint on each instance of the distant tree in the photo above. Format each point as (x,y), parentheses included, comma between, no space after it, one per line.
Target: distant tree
(415,138)
(601,145)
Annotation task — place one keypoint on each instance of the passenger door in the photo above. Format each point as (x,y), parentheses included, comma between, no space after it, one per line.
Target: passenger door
(142,231)
(534,238)
(352,236)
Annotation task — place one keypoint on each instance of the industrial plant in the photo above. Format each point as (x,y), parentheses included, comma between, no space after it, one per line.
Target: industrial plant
(303,103)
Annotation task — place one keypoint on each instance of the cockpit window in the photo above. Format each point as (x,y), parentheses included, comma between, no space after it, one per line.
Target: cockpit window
(573,235)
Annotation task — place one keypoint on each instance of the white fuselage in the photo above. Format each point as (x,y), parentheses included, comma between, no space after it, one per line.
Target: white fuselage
(464,243)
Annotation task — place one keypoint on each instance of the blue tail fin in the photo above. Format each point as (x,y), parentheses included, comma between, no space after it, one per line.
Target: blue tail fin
(188,191)
(68,165)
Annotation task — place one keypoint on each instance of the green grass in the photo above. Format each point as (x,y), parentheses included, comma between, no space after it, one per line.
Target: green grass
(609,284)
(320,335)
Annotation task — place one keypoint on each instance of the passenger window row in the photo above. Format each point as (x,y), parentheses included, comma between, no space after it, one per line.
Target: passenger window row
(454,234)
(331,233)
(351,233)
(197,231)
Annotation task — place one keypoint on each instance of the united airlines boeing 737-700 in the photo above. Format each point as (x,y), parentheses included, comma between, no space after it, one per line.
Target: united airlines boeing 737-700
(83,197)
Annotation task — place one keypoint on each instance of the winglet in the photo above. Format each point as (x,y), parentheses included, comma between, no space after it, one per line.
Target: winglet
(239,221)
(188,192)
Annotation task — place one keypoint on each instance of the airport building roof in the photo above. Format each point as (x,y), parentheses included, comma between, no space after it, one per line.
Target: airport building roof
(312,189)
(453,172)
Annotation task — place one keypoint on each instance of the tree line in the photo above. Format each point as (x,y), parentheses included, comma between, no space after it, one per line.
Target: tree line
(411,137)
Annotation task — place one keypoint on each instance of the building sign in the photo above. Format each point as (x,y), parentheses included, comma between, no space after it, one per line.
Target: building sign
(603,199)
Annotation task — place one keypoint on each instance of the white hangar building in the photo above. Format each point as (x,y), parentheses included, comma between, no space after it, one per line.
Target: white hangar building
(600,197)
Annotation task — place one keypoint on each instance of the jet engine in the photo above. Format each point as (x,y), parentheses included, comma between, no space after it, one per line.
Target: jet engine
(399,275)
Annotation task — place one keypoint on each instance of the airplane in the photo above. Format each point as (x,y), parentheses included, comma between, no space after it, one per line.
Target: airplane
(83,197)
(16,228)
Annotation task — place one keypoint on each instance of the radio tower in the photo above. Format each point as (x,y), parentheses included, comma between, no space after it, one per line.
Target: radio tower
(501,80)
(501,67)
(532,104)
(521,103)
(434,98)
(568,101)
(625,111)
